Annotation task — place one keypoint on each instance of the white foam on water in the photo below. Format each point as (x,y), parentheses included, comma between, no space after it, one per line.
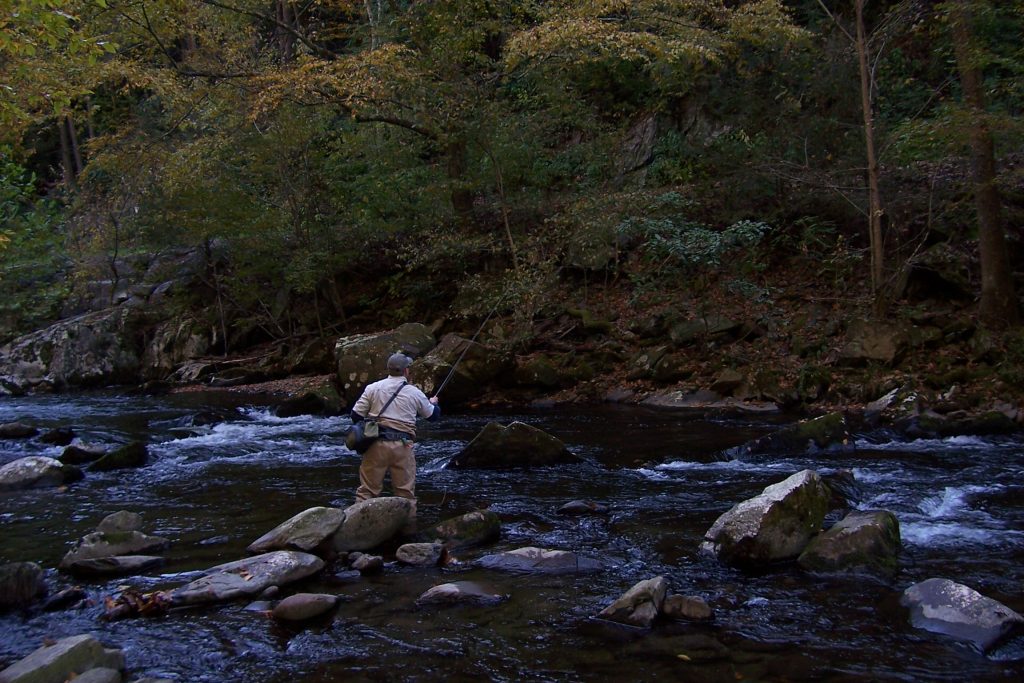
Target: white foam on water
(723,465)
(948,519)
(927,445)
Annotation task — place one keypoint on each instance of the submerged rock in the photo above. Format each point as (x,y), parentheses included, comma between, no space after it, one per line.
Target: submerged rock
(583,507)
(775,525)
(863,541)
(517,445)
(66,659)
(952,609)
(20,584)
(123,565)
(471,529)
(302,606)
(460,592)
(17,430)
(247,578)
(134,454)
(688,607)
(531,560)
(369,523)
(78,454)
(640,605)
(420,554)
(305,531)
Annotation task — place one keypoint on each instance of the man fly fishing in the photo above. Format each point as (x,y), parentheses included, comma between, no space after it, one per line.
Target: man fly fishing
(394,404)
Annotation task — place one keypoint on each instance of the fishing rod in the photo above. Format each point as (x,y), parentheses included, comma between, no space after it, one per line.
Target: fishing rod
(473,339)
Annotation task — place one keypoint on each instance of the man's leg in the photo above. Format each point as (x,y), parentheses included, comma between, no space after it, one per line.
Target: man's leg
(403,478)
(372,470)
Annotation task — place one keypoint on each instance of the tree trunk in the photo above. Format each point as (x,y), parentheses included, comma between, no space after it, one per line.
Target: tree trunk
(874,195)
(462,198)
(285,40)
(999,306)
(76,152)
(67,159)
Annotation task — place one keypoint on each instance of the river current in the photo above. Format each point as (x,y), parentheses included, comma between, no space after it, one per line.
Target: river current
(214,489)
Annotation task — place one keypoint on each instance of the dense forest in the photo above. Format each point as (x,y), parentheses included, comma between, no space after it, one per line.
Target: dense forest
(346,166)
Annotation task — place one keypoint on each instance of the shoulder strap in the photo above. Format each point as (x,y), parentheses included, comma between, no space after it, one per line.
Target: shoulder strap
(390,400)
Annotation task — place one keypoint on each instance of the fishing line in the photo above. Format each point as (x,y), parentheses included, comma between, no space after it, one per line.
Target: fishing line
(473,339)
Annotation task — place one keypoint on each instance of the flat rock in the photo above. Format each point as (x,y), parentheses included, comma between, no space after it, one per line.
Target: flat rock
(952,609)
(305,531)
(248,577)
(532,560)
(64,660)
(101,544)
(460,592)
(123,565)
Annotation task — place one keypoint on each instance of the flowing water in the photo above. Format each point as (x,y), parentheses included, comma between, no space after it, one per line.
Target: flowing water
(214,489)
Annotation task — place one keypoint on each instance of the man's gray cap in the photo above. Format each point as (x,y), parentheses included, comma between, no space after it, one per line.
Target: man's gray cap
(399,361)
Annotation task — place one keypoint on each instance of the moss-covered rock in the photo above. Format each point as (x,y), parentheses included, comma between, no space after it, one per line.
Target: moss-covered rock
(828,432)
(863,541)
(471,529)
(135,454)
(773,526)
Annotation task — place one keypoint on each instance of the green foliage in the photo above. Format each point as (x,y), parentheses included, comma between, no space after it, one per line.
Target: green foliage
(675,242)
(32,260)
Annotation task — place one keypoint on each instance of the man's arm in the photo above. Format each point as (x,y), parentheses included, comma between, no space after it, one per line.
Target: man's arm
(429,409)
(361,408)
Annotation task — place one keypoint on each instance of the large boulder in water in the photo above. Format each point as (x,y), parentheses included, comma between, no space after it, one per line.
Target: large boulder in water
(63,661)
(952,609)
(475,365)
(361,359)
(828,432)
(640,605)
(863,541)
(34,471)
(305,531)
(773,526)
(517,445)
(89,350)
(247,577)
(371,522)
(134,454)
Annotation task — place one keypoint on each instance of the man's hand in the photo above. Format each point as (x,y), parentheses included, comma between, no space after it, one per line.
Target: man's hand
(433,400)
